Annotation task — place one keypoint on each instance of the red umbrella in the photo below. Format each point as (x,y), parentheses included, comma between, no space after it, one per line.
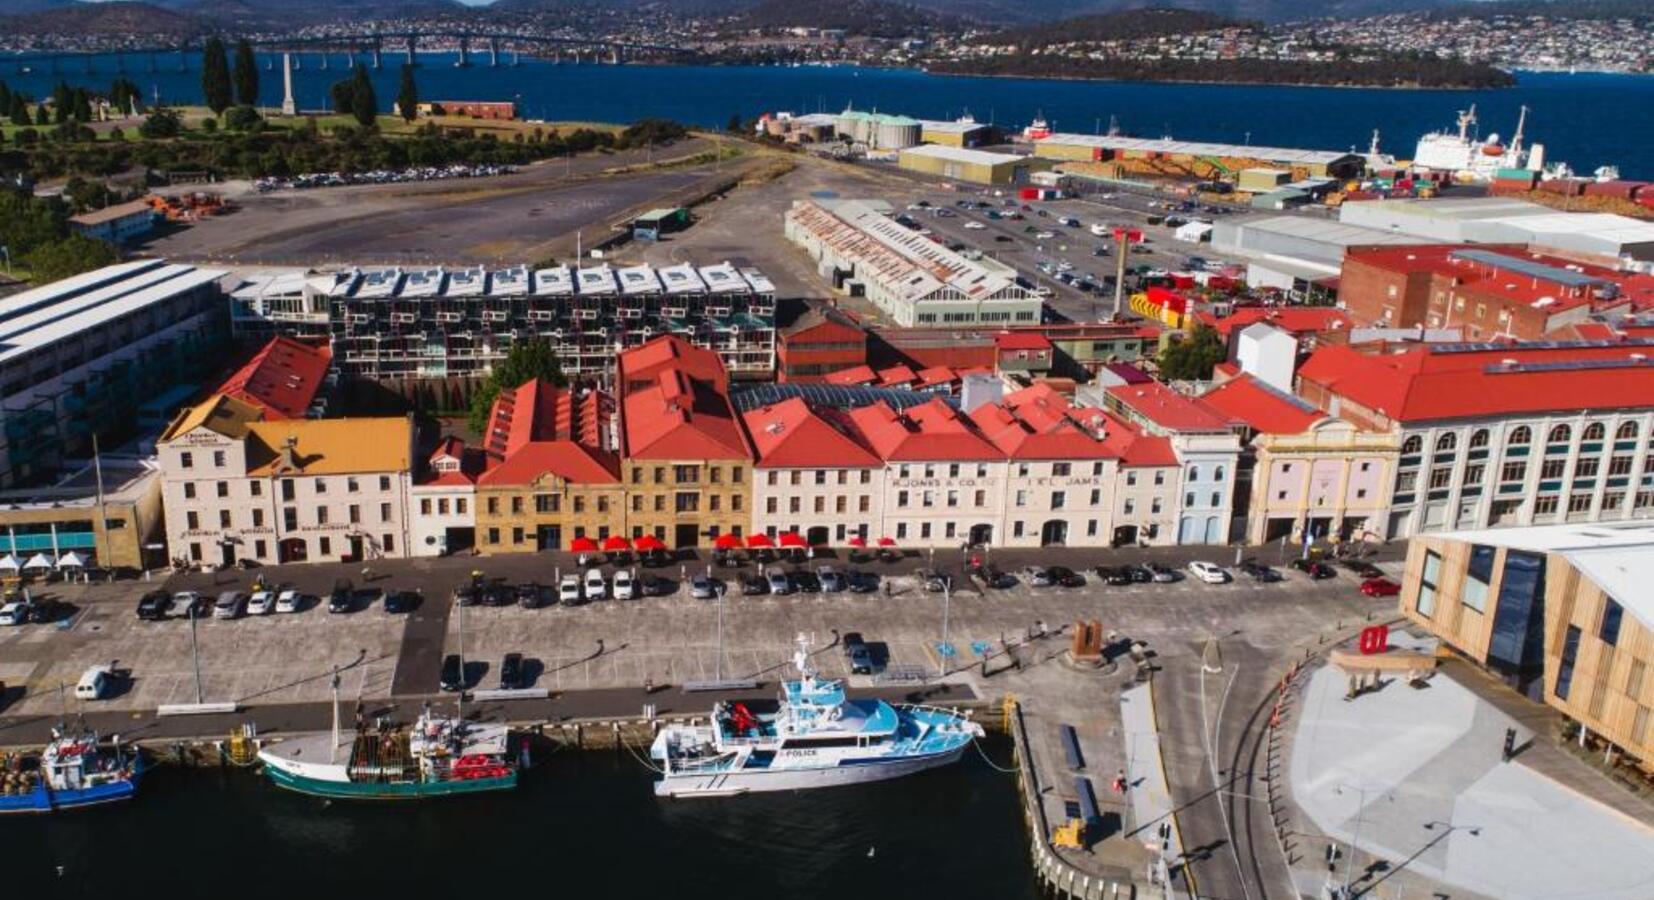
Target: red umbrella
(649,542)
(858,541)
(793,539)
(582,545)
(886,542)
(616,542)
(759,539)
(727,542)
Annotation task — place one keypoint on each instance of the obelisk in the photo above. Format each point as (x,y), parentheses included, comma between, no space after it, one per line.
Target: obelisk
(288,107)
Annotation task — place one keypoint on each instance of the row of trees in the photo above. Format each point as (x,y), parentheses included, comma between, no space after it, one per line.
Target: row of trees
(35,233)
(219,87)
(68,104)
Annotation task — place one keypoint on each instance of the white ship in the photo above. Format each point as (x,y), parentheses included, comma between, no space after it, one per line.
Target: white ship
(1468,158)
(816,738)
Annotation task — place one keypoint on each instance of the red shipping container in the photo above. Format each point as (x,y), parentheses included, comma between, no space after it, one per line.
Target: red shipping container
(1028,193)
(1566,187)
(1620,190)
(1646,197)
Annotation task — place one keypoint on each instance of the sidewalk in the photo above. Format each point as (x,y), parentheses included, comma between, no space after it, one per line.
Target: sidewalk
(1150,796)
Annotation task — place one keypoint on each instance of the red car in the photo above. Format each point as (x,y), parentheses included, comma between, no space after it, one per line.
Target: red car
(1380,587)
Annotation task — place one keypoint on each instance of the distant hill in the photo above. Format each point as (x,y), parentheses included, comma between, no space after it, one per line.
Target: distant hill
(1573,9)
(1034,11)
(25,7)
(872,17)
(106,19)
(1120,26)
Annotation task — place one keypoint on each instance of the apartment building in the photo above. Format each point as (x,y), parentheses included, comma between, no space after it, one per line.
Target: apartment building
(439,322)
(816,475)
(1203,441)
(1501,434)
(236,485)
(944,483)
(443,498)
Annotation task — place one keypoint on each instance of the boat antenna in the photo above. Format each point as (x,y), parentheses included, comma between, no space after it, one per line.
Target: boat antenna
(333,747)
(1516,139)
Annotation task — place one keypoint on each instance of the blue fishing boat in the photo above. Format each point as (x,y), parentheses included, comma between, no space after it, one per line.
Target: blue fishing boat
(74,771)
(816,737)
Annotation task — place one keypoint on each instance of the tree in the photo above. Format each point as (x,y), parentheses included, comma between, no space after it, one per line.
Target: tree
(242,118)
(733,126)
(82,105)
(363,104)
(1192,358)
(5,98)
(215,77)
(63,102)
(407,98)
(161,123)
(527,360)
(342,94)
(41,116)
(20,110)
(70,256)
(246,74)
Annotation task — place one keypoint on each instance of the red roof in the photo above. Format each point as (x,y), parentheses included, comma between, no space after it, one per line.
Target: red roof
(1167,408)
(452,464)
(896,376)
(929,431)
(641,365)
(1022,340)
(537,429)
(852,376)
(282,378)
(1263,408)
(1039,423)
(791,435)
(1291,319)
(1489,278)
(683,416)
(1449,382)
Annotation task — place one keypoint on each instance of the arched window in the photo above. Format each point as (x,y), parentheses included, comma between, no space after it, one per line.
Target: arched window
(1412,445)
(1194,473)
(1522,435)
(1593,432)
(1560,435)
(1627,432)
(1478,438)
(1446,442)
(1218,475)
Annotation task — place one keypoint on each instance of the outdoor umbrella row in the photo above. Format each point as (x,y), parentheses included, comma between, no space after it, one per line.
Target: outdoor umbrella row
(648,542)
(70,560)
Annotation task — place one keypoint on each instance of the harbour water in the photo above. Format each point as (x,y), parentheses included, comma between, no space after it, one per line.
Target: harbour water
(580,824)
(1585,119)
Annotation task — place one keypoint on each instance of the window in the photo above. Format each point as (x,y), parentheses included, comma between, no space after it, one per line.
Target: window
(715,475)
(1612,612)
(384,512)
(1061,470)
(1131,479)
(1217,475)
(770,505)
(660,503)
(953,470)
(351,485)
(1473,474)
(1544,506)
(866,476)
(924,531)
(1427,583)
(1626,432)
(259,548)
(734,474)
(795,504)
(901,499)
(688,502)
(1406,482)
(1565,672)
(1593,432)
(425,506)
(1478,438)
(186,460)
(1154,507)
(1217,499)
(1521,437)
(223,489)
(1188,499)
(354,514)
(189,490)
(1022,498)
(1414,444)
(1058,499)
(223,518)
(257,488)
(1130,507)
(388,542)
(321,515)
(384,482)
(290,518)
(981,497)
(1586,467)
(493,506)
(692,474)
(1194,473)
(1478,576)
(1560,435)
(192,520)
(1619,465)
(660,474)
(1016,529)
(1578,503)
(1513,471)
(321,485)
(459,506)
(1160,476)
(325,546)
(950,530)
(288,491)
(258,520)
(795,478)
(1552,468)
(1441,477)
(953,499)
(493,535)
(863,503)
(1447,442)
(772,477)
(516,505)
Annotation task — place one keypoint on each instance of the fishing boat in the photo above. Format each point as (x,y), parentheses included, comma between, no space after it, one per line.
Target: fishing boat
(815,737)
(73,771)
(438,756)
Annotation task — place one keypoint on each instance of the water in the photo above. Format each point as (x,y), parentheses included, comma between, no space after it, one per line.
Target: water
(581,824)
(1586,119)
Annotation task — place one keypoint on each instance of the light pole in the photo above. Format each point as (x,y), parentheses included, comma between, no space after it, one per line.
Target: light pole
(1355,841)
(946,648)
(718,663)
(195,656)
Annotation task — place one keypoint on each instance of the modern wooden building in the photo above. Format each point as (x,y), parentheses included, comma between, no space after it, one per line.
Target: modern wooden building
(1562,613)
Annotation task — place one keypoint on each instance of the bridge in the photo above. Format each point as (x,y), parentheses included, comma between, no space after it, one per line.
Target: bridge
(499,49)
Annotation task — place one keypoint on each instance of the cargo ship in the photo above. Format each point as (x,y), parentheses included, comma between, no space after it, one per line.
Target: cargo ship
(438,756)
(73,771)
(814,738)
(1468,158)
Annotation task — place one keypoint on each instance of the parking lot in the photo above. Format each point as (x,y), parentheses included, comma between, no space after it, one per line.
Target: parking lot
(668,640)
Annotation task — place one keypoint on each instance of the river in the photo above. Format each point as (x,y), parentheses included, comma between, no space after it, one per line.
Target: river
(1586,119)
(579,824)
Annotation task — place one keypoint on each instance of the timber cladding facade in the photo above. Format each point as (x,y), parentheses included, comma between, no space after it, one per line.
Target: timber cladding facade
(1538,608)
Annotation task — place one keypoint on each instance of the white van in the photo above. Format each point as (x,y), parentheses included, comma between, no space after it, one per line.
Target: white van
(92,683)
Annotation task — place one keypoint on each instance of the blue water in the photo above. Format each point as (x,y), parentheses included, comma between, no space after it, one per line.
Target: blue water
(1586,119)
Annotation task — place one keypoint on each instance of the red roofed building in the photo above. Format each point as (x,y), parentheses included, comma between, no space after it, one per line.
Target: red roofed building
(818,343)
(686,455)
(859,375)
(1024,352)
(1206,443)
(1497,434)
(282,379)
(556,474)
(1303,469)
(443,515)
(944,483)
(1307,323)
(815,474)
(1485,291)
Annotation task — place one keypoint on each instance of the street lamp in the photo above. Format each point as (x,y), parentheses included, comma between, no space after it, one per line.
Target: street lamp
(1355,842)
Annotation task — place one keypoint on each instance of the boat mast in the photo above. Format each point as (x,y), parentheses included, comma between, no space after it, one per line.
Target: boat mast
(333,748)
(1516,139)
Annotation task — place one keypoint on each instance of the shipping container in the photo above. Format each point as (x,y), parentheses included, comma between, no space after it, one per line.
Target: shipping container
(1566,187)
(1646,197)
(1619,190)
(1514,174)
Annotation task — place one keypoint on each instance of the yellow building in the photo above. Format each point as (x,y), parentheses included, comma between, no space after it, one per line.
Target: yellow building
(975,166)
(62,518)
(1561,613)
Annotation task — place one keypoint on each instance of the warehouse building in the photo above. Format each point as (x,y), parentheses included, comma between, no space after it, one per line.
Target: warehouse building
(1559,613)
(79,357)
(879,131)
(116,224)
(1499,220)
(962,133)
(975,166)
(437,322)
(1292,253)
(1197,159)
(912,279)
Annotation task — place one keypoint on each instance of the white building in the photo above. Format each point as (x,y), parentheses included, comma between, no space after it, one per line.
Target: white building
(1268,354)
(443,502)
(1204,443)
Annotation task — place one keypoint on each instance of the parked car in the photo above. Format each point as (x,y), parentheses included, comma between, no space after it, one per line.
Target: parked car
(779,582)
(466,595)
(1380,587)
(857,654)
(861,582)
(261,603)
(229,605)
(153,606)
(1115,575)
(1314,568)
(932,581)
(1360,568)
(189,603)
(14,613)
(754,584)
(832,580)
(1161,574)
(702,587)
(289,601)
(1259,572)
(1066,577)
(1208,572)
(453,673)
(94,682)
(1139,574)
(497,594)
(398,602)
(44,612)
(994,577)
(343,598)
(568,590)
(511,672)
(805,582)
(596,587)
(655,586)
(1036,576)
